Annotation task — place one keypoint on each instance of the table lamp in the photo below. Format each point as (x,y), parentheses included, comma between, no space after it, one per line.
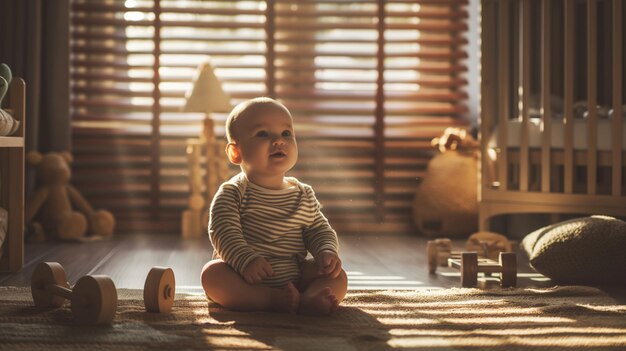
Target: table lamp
(206,96)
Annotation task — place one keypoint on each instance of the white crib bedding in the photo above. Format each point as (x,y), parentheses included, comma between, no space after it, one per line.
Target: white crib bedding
(514,128)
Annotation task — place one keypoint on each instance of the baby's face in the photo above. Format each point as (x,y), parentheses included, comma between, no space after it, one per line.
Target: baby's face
(267,143)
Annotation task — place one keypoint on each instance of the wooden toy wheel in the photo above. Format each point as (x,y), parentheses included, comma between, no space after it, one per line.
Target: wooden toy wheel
(444,250)
(508,276)
(469,269)
(94,300)
(159,290)
(47,273)
(432,254)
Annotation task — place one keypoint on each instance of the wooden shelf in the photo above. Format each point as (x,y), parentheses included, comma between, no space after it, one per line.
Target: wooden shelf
(11,141)
(12,181)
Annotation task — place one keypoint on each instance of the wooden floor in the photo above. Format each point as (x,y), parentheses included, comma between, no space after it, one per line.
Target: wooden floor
(372,262)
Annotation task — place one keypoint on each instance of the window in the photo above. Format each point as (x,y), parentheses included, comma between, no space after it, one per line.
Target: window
(369,84)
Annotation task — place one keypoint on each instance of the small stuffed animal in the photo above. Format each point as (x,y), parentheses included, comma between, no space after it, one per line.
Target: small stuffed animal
(446,202)
(52,205)
(455,139)
(8,125)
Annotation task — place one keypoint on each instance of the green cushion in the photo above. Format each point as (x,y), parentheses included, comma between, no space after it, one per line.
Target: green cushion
(588,250)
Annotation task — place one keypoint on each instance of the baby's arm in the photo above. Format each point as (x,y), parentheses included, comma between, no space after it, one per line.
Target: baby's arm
(226,233)
(321,240)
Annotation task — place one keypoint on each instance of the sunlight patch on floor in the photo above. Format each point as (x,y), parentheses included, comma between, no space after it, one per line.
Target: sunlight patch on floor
(362,281)
(356,281)
(190,289)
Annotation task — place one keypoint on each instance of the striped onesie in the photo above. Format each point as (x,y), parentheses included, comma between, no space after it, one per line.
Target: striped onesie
(247,221)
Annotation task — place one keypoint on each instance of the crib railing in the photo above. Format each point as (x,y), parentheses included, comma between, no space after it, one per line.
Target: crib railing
(532,48)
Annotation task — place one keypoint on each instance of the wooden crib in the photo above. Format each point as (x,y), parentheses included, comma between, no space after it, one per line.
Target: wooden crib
(552,114)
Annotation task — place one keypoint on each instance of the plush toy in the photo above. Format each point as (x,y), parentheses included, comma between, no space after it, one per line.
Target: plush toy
(446,203)
(8,125)
(52,204)
(455,139)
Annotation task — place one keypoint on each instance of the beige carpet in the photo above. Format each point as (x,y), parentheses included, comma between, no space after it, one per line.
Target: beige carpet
(452,319)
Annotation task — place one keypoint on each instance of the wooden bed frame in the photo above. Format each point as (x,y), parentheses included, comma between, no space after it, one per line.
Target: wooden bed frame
(534,46)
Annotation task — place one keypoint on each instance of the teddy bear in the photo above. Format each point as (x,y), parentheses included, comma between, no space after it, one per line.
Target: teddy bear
(455,139)
(8,125)
(57,208)
(446,202)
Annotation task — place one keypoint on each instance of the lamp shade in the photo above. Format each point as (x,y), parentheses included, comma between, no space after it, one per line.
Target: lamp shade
(207,94)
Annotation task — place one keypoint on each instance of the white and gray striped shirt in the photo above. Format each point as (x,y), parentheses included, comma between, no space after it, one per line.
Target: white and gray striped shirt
(247,221)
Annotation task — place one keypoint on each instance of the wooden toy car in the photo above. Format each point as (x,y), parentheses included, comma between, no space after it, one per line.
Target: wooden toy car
(439,253)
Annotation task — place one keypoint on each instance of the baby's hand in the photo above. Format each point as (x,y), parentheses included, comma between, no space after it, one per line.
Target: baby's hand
(328,264)
(257,270)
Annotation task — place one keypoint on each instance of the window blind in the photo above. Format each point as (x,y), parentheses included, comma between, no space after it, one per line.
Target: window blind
(369,83)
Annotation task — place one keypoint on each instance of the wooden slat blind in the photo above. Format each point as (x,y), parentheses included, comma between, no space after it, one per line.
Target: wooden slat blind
(369,84)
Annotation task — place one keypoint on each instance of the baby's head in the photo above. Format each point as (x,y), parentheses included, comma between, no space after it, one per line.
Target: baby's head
(261,137)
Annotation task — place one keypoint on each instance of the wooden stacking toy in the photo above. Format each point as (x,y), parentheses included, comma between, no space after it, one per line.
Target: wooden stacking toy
(159,290)
(93,298)
(470,263)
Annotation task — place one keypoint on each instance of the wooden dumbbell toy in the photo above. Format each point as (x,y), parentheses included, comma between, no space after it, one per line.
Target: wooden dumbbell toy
(159,290)
(93,298)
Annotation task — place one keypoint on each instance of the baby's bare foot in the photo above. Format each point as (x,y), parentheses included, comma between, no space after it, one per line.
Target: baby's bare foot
(285,300)
(321,303)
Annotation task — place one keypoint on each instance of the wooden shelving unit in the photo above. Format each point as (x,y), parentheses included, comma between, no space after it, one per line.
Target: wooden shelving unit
(12,180)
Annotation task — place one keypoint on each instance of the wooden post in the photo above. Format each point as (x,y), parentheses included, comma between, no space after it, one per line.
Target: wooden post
(216,166)
(504,86)
(192,221)
(616,123)
(524,93)
(546,103)
(568,85)
(592,96)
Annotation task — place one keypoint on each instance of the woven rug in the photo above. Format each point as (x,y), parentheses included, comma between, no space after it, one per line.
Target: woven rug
(449,319)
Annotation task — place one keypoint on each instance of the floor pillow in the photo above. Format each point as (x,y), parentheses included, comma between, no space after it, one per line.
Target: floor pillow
(588,250)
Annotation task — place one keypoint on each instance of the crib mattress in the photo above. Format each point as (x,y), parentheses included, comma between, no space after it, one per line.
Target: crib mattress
(557,131)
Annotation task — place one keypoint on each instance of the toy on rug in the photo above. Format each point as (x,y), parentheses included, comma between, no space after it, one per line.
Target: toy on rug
(94,298)
(53,203)
(8,124)
(481,251)
(159,290)
(446,202)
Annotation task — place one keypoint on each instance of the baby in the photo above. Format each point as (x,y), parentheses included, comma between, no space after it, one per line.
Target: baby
(262,224)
